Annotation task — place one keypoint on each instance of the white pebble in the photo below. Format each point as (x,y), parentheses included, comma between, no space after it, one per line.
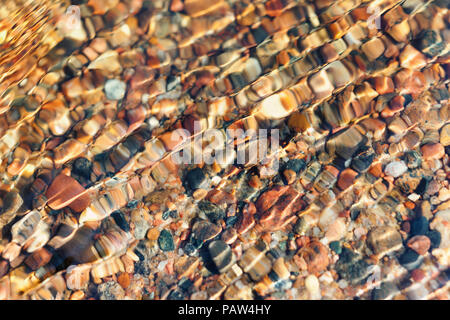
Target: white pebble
(313,287)
(395,168)
(115,89)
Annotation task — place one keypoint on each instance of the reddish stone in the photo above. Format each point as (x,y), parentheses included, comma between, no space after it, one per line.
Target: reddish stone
(282,212)
(432,151)
(38,258)
(410,82)
(4,267)
(383,85)
(66,191)
(176,5)
(315,255)
(420,244)
(219,196)
(268,198)
(346,178)
(417,275)
(247,220)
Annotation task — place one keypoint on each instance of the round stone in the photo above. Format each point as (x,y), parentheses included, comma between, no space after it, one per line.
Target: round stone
(395,168)
(165,241)
(195,179)
(115,89)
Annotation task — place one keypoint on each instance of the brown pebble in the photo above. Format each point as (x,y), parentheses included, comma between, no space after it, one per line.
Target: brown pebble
(315,255)
(152,234)
(124,280)
(420,244)
(417,275)
(432,151)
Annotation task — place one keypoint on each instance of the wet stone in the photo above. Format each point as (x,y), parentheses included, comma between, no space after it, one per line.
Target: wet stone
(165,241)
(410,259)
(395,168)
(115,89)
(296,165)
(213,212)
(419,244)
(413,159)
(435,238)
(221,255)
(351,266)
(195,179)
(82,167)
(110,290)
(384,240)
(386,291)
(419,226)
(204,230)
(120,220)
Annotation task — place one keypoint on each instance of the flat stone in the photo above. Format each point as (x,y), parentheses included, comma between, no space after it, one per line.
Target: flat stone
(351,266)
(315,255)
(384,240)
(432,151)
(410,259)
(204,230)
(222,255)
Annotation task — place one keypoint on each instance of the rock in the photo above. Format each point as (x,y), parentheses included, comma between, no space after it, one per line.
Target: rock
(115,89)
(431,151)
(395,168)
(363,160)
(107,62)
(204,230)
(336,247)
(296,165)
(165,241)
(440,224)
(313,287)
(213,212)
(124,280)
(419,226)
(315,255)
(386,291)
(384,240)
(140,219)
(410,259)
(301,226)
(12,201)
(66,191)
(336,230)
(120,220)
(195,179)
(110,290)
(221,255)
(346,178)
(445,135)
(351,267)
(419,244)
(82,167)
(346,143)
(247,218)
(435,238)
(413,159)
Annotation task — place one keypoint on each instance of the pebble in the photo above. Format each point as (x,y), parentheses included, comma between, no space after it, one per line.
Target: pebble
(213,212)
(432,151)
(315,255)
(419,226)
(204,230)
(351,266)
(419,244)
(115,89)
(445,135)
(110,290)
(384,240)
(395,168)
(195,179)
(222,255)
(313,286)
(165,241)
(410,259)
(440,224)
